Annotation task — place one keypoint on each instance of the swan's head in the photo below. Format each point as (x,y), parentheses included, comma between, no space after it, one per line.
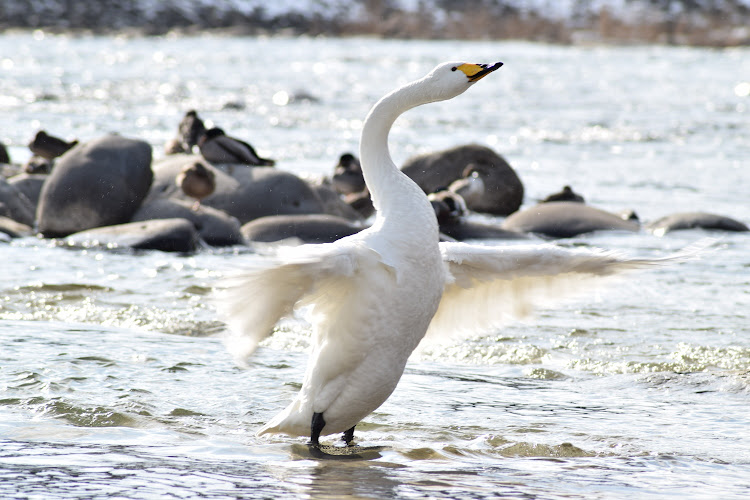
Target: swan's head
(450,79)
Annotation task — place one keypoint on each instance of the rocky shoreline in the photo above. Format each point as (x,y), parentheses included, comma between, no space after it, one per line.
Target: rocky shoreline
(679,22)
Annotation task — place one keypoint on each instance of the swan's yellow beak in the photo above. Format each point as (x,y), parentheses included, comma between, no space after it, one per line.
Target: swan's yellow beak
(476,72)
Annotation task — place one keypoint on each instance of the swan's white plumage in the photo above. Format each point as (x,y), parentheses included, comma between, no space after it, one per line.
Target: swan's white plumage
(365,324)
(487,285)
(373,295)
(255,300)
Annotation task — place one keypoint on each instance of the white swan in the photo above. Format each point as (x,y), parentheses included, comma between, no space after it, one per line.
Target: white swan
(374,294)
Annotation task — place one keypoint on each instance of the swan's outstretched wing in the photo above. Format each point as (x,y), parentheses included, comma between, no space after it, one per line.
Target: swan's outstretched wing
(490,284)
(252,302)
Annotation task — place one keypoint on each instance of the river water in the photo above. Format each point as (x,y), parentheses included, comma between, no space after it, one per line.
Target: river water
(113,382)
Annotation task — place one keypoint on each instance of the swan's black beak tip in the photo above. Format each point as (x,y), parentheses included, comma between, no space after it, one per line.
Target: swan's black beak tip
(489,68)
(483,70)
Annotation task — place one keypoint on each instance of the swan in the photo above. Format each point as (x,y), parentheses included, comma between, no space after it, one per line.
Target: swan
(375,295)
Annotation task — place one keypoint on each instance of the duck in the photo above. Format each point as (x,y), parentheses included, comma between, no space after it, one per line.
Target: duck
(347,175)
(49,147)
(448,205)
(470,186)
(38,165)
(190,129)
(495,185)
(4,156)
(375,296)
(566,194)
(217,147)
(196,181)
(450,210)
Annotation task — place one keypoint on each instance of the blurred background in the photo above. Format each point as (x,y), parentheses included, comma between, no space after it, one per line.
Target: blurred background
(693,22)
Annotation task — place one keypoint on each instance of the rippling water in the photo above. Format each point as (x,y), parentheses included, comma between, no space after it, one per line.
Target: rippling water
(113,383)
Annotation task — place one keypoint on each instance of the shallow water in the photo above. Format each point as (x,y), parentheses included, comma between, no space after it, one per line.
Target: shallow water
(114,384)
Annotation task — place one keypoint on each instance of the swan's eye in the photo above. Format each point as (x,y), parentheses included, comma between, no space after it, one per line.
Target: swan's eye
(454,68)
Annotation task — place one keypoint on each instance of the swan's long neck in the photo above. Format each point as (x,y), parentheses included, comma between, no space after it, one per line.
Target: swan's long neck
(394,195)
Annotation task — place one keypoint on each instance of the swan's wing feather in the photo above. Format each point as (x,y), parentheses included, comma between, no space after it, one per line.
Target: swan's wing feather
(490,284)
(253,301)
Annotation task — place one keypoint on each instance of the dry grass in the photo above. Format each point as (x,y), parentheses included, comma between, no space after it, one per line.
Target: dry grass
(470,20)
(484,23)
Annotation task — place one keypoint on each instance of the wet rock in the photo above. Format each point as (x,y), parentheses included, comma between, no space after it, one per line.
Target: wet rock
(246,193)
(15,205)
(214,226)
(566,219)
(99,183)
(38,165)
(334,204)
(14,229)
(461,230)
(264,191)
(313,228)
(167,235)
(695,220)
(30,185)
(503,190)
(8,170)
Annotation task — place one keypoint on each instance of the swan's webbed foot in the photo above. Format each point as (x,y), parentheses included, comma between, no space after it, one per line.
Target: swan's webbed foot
(316,426)
(349,436)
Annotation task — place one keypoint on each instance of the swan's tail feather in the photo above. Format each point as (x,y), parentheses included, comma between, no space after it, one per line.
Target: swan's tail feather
(290,421)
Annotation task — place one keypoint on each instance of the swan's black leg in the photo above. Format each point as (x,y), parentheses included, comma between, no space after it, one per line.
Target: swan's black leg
(316,426)
(349,435)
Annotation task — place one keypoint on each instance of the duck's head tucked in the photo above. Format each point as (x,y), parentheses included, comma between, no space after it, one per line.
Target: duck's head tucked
(450,79)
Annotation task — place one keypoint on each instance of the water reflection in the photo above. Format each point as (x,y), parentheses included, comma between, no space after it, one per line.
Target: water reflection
(339,478)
